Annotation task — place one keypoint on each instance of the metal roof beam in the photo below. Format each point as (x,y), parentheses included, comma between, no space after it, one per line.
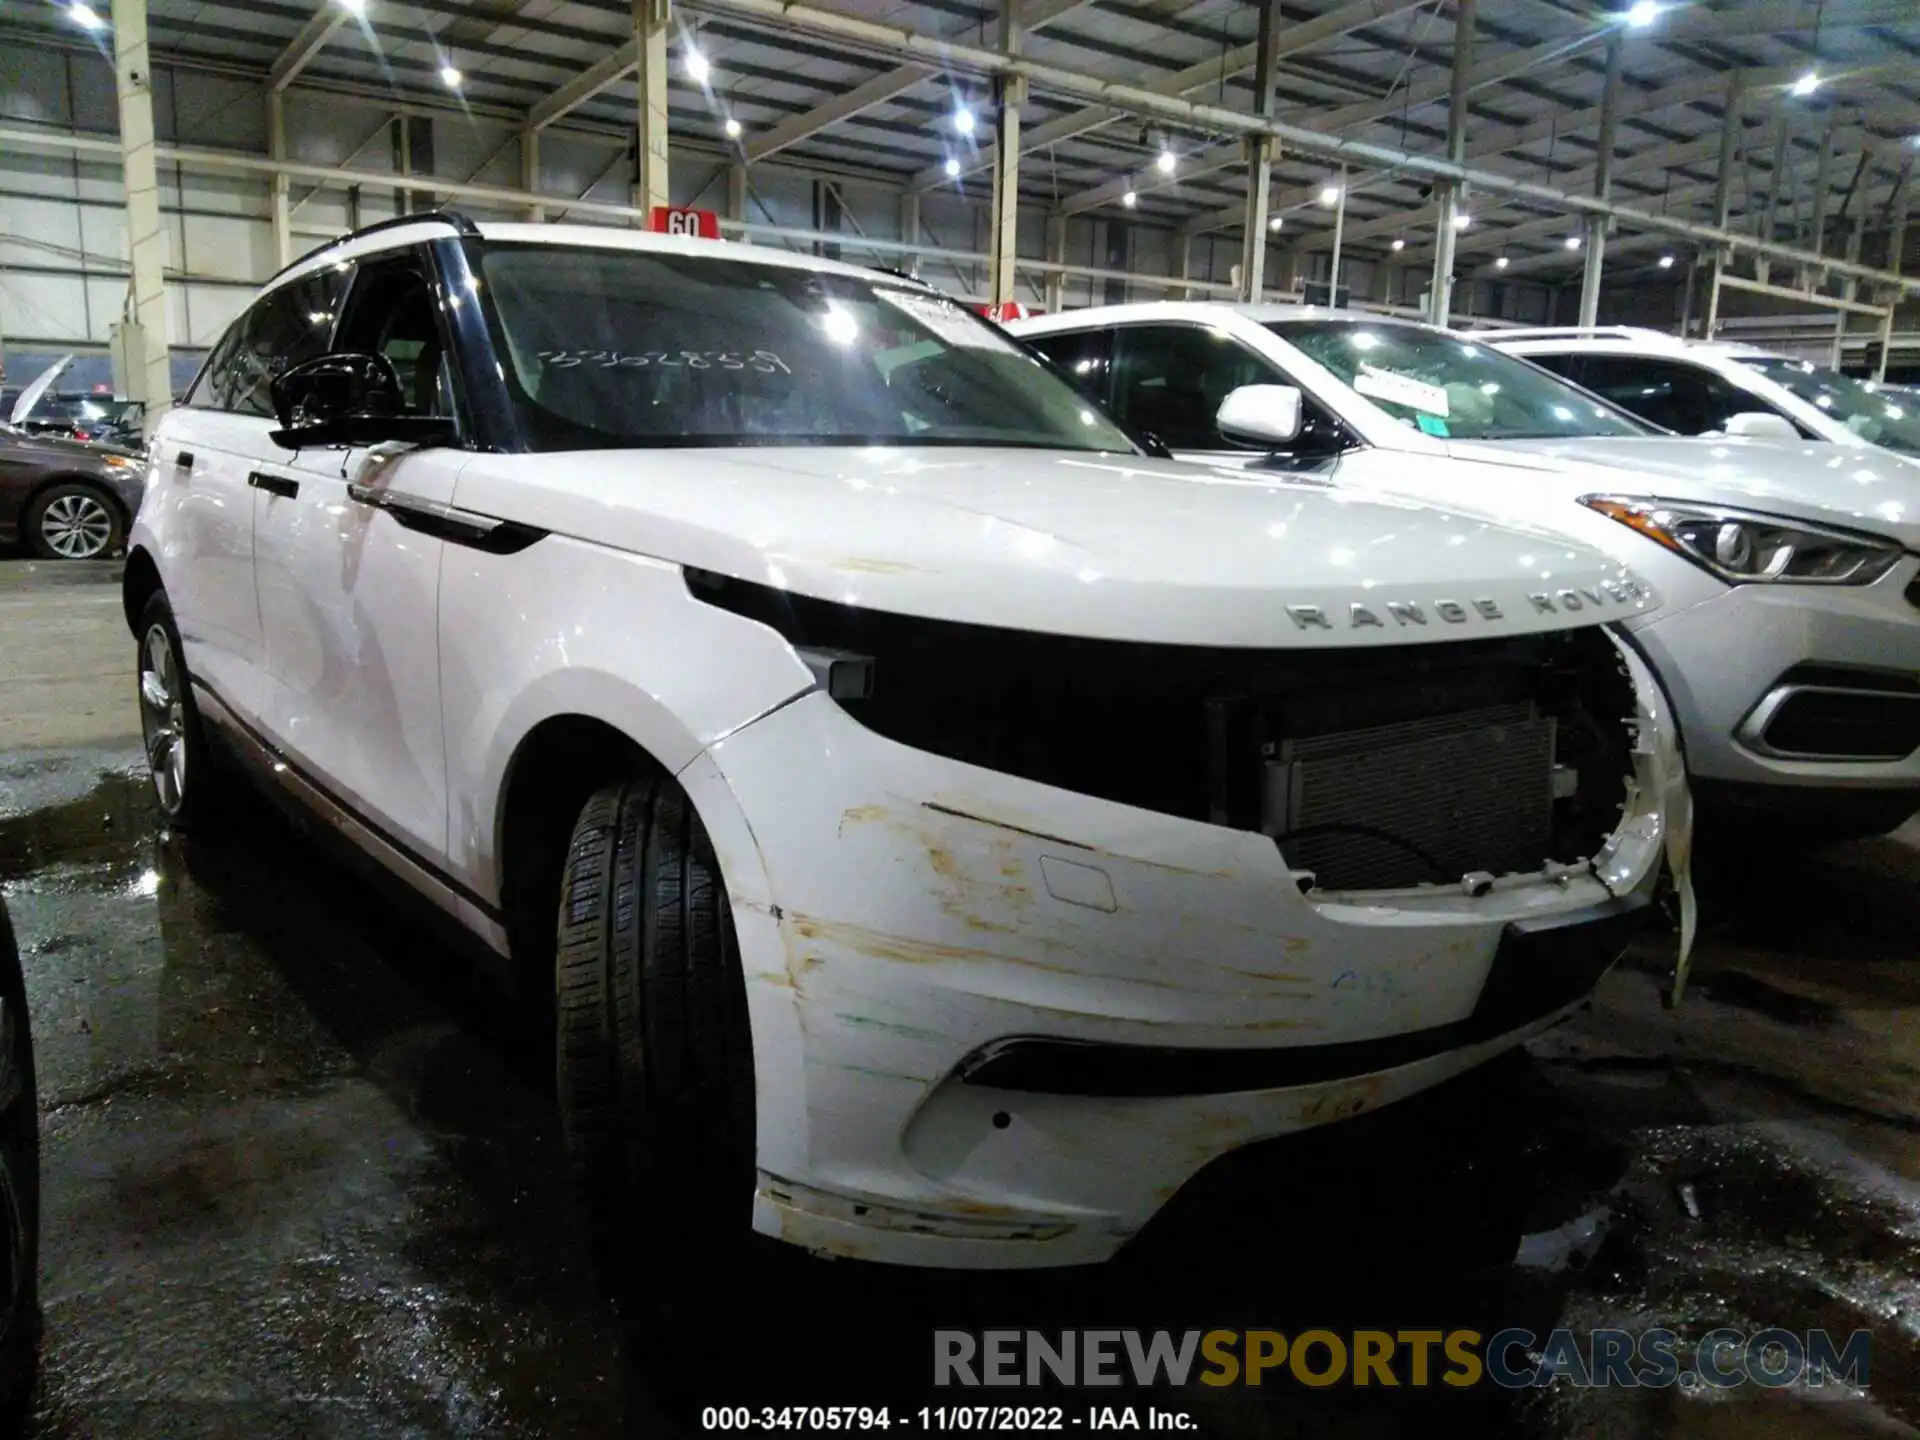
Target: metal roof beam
(308,43)
(1237,61)
(608,70)
(910,44)
(1205,162)
(876,91)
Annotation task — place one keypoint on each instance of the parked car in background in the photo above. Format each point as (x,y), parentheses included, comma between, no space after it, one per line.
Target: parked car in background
(19,1188)
(1790,637)
(97,418)
(1696,387)
(961,826)
(65,500)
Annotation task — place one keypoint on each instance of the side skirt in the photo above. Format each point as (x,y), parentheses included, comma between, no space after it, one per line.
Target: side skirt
(382,859)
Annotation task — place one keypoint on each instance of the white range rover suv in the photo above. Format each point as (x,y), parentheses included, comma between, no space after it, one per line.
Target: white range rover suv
(946,827)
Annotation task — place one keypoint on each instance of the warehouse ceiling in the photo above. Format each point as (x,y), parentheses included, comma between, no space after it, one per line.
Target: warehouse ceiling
(1374,71)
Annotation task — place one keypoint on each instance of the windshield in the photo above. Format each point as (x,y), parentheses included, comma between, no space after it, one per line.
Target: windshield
(1448,386)
(620,348)
(1878,414)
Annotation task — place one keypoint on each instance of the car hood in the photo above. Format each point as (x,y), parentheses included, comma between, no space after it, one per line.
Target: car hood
(1869,490)
(37,387)
(68,449)
(1104,546)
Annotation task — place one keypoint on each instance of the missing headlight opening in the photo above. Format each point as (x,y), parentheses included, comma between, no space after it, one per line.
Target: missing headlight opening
(1374,769)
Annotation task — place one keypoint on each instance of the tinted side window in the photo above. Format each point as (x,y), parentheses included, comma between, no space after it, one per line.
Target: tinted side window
(1170,379)
(201,393)
(1084,357)
(290,325)
(1672,393)
(392,311)
(1567,367)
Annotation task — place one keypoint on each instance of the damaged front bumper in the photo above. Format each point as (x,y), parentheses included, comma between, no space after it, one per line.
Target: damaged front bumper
(998,1024)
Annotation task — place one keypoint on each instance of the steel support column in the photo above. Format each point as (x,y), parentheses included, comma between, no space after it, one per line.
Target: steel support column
(1339,234)
(1595,258)
(1056,292)
(146,242)
(1260,156)
(737,191)
(1723,195)
(280,183)
(650,28)
(1011,93)
(1440,291)
(1896,252)
(1822,183)
(1762,268)
(530,173)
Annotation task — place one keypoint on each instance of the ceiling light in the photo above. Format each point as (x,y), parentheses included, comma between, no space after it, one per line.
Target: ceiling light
(733,128)
(953,168)
(358,7)
(1167,162)
(963,120)
(1462,220)
(1130,199)
(1399,244)
(1573,242)
(450,77)
(1276,222)
(1330,195)
(1501,263)
(1806,84)
(1642,14)
(697,67)
(1666,262)
(86,17)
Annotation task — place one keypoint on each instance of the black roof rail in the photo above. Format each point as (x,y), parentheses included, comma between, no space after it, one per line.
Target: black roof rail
(466,228)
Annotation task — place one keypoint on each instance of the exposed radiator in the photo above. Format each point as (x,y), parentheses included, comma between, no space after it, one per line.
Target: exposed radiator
(1426,800)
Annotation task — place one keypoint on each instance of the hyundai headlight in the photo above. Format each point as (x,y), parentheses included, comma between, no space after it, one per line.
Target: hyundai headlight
(1744,548)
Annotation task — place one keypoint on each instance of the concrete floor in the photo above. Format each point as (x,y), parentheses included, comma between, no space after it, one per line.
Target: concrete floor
(302,1174)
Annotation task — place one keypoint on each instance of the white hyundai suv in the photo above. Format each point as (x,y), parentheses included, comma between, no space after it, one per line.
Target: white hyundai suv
(947,828)
(1698,387)
(1789,640)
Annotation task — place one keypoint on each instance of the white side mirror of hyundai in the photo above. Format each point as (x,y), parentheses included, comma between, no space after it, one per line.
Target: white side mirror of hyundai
(1261,415)
(1761,425)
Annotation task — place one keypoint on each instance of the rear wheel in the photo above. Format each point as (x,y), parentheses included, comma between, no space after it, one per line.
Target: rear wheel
(19,1191)
(655,1061)
(73,520)
(188,782)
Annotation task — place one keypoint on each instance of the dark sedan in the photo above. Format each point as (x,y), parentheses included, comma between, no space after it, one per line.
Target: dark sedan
(66,500)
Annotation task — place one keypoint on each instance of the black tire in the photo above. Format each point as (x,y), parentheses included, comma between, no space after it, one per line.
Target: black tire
(75,520)
(655,1061)
(19,1192)
(190,784)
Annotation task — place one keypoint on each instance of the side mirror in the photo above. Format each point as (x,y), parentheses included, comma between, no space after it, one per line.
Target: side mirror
(1761,425)
(349,398)
(1263,415)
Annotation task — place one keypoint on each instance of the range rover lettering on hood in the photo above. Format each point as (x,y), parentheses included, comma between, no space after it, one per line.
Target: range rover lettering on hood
(1480,608)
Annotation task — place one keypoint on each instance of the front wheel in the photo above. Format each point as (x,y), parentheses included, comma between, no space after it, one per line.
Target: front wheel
(655,1058)
(74,521)
(188,783)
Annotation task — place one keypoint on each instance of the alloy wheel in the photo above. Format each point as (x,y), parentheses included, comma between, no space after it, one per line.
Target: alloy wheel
(77,526)
(163,719)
